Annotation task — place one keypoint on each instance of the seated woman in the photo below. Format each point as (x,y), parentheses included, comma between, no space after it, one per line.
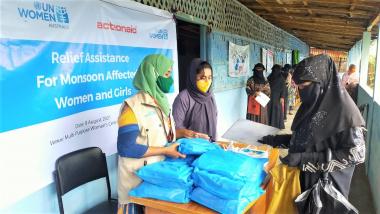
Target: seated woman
(145,126)
(327,118)
(194,109)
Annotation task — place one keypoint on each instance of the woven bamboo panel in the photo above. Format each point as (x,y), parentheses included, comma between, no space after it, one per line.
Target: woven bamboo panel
(232,17)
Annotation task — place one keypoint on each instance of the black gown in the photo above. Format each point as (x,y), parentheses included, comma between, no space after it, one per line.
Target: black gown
(326,119)
(348,150)
(275,109)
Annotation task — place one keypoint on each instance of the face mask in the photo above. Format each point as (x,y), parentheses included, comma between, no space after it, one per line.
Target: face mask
(165,83)
(203,86)
(310,94)
(259,72)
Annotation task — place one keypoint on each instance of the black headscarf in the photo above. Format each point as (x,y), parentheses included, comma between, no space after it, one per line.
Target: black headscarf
(275,79)
(333,112)
(285,70)
(258,76)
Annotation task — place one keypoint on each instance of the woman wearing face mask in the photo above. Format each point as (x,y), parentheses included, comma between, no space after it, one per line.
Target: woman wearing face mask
(194,109)
(276,103)
(145,126)
(256,84)
(327,118)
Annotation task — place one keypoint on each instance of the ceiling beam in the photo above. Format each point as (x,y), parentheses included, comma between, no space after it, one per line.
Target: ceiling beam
(324,17)
(370,4)
(312,33)
(329,46)
(316,32)
(318,10)
(373,22)
(305,13)
(352,7)
(319,22)
(328,41)
(338,21)
(324,36)
(263,5)
(320,30)
(295,24)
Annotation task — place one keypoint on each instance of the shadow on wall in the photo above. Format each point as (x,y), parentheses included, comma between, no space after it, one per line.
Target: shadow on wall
(232,105)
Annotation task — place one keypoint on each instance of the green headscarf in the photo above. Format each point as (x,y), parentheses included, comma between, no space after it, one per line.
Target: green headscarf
(146,76)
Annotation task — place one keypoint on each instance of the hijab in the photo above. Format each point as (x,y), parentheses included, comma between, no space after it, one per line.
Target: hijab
(150,69)
(203,115)
(286,70)
(276,81)
(258,76)
(332,111)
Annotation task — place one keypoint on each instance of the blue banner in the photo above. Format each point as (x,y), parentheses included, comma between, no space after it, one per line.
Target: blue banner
(42,80)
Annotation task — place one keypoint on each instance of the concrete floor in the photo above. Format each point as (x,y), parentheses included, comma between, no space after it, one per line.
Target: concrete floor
(360,193)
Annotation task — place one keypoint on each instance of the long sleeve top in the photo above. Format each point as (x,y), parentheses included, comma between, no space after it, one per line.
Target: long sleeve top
(348,149)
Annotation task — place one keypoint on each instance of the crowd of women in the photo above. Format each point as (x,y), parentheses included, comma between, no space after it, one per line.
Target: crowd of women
(326,118)
(281,90)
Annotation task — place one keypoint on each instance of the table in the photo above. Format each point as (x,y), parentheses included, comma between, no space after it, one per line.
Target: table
(154,206)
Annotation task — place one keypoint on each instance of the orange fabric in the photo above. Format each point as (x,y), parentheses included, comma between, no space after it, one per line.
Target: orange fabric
(282,190)
(253,106)
(273,158)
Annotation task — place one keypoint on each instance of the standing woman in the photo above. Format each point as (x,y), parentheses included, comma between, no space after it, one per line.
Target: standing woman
(256,84)
(327,118)
(145,126)
(292,90)
(288,80)
(276,103)
(194,109)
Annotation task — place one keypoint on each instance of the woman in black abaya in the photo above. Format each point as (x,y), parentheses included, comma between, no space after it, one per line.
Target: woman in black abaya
(276,103)
(327,118)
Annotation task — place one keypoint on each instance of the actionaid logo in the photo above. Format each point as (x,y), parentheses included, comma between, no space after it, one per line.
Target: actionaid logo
(116,27)
(57,16)
(160,34)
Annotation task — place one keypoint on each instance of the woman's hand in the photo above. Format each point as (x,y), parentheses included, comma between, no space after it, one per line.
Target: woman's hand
(172,151)
(190,134)
(268,140)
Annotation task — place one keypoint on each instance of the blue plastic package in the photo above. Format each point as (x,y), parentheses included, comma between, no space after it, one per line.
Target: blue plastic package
(188,159)
(148,190)
(230,164)
(195,146)
(224,187)
(167,174)
(211,201)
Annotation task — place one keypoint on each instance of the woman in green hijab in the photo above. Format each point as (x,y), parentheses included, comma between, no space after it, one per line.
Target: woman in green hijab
(145,125)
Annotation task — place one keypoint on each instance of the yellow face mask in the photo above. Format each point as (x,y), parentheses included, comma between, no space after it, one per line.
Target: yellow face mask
(203,86)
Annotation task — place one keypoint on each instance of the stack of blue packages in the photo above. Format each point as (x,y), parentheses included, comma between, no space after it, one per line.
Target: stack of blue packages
(171,180)
(227,181)
(195,146)
(165,180)
(188,159)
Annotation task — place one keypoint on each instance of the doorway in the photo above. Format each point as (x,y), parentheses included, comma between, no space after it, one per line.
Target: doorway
(188,47)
